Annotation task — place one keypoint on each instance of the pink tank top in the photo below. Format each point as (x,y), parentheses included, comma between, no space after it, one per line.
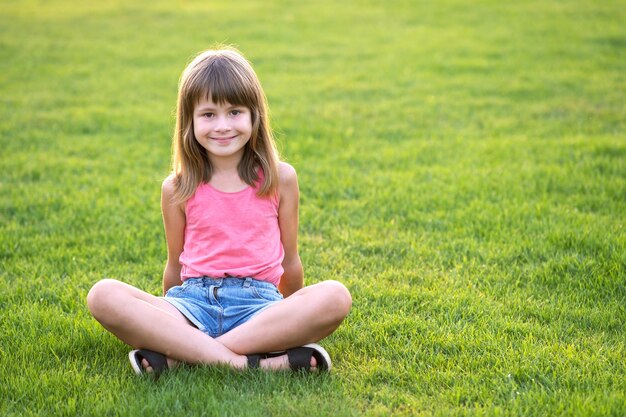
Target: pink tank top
(232,235)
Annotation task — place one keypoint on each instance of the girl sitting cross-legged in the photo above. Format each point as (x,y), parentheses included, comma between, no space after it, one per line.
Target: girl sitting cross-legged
(233,282)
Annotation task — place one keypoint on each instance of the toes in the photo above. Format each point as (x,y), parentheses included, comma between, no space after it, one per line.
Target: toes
(171,364)
(146,366)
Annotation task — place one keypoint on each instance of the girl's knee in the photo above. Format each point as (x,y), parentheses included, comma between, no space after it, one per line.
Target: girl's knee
(102,294)
(339,298)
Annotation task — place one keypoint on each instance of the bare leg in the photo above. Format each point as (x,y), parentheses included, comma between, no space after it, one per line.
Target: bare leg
(308,315)
(148,322)
(145,321)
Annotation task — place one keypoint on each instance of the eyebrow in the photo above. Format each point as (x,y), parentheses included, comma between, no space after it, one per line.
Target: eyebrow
(213,108)
(204,108)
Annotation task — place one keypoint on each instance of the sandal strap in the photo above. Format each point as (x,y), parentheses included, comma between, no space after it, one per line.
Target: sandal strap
(254,361)
(300,358)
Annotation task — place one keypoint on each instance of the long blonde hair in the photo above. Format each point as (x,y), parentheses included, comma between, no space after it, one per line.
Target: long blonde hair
(224,76)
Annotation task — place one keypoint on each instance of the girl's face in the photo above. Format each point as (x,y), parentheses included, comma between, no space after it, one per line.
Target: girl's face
(222,129)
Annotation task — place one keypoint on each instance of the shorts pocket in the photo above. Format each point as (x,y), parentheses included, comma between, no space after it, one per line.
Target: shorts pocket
(175,291)
(186,287)
(267,294)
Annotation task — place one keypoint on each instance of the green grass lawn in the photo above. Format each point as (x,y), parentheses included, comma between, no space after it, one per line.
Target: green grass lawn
(462,169)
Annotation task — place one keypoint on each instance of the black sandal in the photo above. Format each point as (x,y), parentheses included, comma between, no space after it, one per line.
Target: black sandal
(299,358)
(255,360)
(156,360)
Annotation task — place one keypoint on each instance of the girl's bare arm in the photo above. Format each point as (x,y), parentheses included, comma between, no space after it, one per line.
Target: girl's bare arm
(293,277)
(174,223)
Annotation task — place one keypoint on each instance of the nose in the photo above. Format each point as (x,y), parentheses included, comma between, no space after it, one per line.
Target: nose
(222,124)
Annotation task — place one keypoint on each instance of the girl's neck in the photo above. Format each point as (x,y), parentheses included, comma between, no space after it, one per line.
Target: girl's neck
(225,176)
(225,164)
(227,181)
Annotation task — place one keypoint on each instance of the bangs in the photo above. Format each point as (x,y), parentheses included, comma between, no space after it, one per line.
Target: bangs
(223,81)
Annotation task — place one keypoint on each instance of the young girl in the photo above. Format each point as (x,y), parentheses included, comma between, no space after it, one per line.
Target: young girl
(233,282)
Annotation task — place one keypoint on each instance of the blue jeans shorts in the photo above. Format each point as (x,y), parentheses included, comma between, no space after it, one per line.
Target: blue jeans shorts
(218,305)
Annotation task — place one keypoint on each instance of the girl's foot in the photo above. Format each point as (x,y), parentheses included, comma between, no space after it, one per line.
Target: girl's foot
(146,361)
(281,363)
(311,357)
(171,364)
(273,363)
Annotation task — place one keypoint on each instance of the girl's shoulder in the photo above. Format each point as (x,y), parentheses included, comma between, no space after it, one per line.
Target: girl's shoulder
(287,182)
(169,185)
(169,190)
(286,173)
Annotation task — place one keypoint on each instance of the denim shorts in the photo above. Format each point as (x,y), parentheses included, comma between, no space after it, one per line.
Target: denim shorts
(218,305)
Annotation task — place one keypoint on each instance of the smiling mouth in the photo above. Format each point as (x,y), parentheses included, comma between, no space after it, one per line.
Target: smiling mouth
(224,139)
